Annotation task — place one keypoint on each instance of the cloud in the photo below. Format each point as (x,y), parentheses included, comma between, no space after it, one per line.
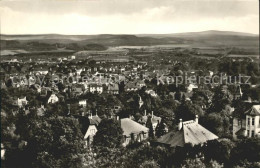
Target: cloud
(127,17)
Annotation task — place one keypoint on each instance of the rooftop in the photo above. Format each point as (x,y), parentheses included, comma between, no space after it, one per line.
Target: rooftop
(254,111)
(129,126)
(191,132)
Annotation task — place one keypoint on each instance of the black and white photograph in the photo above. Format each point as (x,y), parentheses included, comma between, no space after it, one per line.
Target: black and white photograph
(130,84)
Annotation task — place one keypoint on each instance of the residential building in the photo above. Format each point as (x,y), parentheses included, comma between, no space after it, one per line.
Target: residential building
(22,102)
(154,119)
(52,99)
(188,132)
(248,124)
(133,131)
(151,92)
(91,129)
(95,88)
(83,103)
(113,88)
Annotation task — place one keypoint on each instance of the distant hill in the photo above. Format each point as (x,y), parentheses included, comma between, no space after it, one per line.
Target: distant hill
(212,38)
(199,34)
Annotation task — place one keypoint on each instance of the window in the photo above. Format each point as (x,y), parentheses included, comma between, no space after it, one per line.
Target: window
(248,133)
(253,121)
(252,133)
(248,121)
(239,122)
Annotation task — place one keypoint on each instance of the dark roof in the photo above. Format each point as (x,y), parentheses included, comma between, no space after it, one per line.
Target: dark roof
(94,120)
(240,132)
(83,123)
(172,139)
(191,132)
(254,111)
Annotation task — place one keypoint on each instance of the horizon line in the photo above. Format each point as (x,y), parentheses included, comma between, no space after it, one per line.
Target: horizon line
(131,33)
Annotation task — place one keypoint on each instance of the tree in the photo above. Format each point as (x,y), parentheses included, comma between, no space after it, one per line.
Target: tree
(160,129)
(216,123)
(200,97)
(56,142)
(200,163)
(109,134)
(222,150)
(188,111)
(246,150)
(149,125)
(149,164)
(220,99)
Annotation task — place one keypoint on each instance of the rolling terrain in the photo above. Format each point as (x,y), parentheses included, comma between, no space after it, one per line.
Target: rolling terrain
(49,42)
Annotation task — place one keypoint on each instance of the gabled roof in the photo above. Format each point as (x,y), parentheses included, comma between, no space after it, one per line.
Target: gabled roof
(130,85)
(191,132)
(254,111)
(131,127)
(154,118)
(113,86)
(172,139)
(94,120)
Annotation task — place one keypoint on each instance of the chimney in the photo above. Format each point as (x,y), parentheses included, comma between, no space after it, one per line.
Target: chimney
(96,113)
(145,112)
(152,114)
(197,119)
(117,118)
(91,115)
(180,125)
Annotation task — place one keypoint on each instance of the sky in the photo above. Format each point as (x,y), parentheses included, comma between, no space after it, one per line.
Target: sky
(127,16)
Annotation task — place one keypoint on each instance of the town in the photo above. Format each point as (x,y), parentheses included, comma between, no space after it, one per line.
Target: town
(154,106)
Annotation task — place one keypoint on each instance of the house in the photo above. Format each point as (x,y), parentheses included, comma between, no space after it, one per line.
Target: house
(154,119)
(95,88)
(130,86)
(41,111)
(140,84)
(113,88)
(248,124)
(83,103)
(188,132)
(78,71)
(53,98)
(92,129)
(238,93)
(133,131)
(151,92)
(77,91)
(22,102)
(191,87)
